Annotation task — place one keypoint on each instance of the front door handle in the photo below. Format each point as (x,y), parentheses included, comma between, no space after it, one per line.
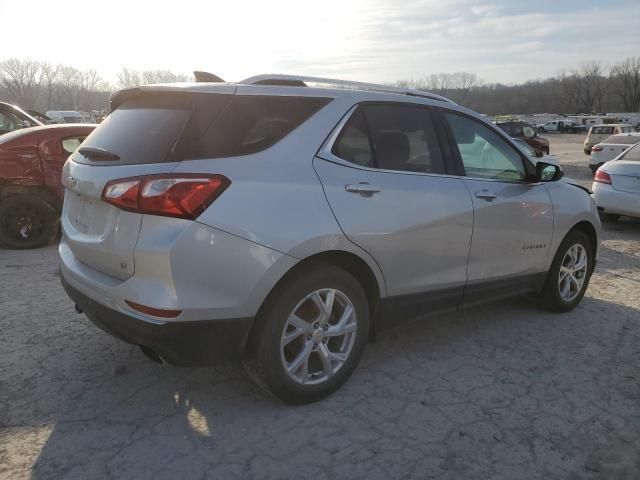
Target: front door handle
(486,195)
(362,188)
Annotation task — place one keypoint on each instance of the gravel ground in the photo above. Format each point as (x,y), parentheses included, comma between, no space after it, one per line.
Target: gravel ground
(507,391)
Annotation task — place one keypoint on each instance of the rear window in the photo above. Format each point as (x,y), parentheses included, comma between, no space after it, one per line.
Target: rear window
(155,128)
(602,130)
(142,130)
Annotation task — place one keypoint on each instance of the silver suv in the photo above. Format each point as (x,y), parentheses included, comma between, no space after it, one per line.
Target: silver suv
(284,219)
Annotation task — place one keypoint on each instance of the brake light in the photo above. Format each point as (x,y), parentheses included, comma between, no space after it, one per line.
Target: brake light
(170,195)
(602,177)
(596,148)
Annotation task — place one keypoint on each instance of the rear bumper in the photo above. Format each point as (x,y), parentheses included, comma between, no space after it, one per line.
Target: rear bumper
(610,200)
(187,343)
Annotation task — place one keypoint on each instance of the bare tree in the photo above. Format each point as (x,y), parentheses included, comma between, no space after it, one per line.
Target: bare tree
(128,78)
(625,77)
(21,79)
(50,77)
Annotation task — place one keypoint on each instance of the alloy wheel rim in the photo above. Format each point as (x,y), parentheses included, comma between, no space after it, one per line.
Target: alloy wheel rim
(573,272)
(318,336)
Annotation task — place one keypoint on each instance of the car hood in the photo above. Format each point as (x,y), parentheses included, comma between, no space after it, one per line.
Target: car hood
(576,183)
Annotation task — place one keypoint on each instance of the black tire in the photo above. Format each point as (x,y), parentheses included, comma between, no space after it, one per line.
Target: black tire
(550,294)
(263,361)
(27,221)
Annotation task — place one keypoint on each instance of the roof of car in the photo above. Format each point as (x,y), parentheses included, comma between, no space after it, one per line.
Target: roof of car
(311,86)
(7,137)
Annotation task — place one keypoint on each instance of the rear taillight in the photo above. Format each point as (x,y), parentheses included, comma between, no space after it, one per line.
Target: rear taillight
(171,195)
(602,177)
(596,148)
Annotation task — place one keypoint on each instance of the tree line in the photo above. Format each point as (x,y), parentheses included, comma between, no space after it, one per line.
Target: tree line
(44,86)
(590,88)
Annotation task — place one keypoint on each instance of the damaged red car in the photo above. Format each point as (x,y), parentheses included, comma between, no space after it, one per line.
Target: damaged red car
(31,191)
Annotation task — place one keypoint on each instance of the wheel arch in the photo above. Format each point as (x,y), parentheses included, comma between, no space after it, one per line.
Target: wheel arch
(590,231)
(10,189)
(346,260)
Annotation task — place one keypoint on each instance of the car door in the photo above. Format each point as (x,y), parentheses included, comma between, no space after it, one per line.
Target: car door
(513,216)
(386,178)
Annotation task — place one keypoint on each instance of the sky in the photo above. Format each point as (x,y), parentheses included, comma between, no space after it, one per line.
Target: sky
(365,40)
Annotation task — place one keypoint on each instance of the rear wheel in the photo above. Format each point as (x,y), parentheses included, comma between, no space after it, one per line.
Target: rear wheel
(27,221)
(569,275)
(310,335)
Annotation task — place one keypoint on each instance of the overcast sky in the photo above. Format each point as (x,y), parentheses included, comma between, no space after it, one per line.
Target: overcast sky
(367,40)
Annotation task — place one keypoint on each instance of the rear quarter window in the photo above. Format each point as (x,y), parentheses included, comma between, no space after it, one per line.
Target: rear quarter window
(251,123)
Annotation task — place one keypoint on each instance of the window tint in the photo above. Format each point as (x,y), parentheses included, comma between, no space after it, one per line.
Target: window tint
(252,123)
(142,130)
(70,145)
(484,153)
(353,143)
(404,138)
(602,130)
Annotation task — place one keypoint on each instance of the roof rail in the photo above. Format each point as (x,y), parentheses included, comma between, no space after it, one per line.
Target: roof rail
(298,80)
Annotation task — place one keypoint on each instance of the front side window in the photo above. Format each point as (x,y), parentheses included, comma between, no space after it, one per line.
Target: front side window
(391,137)
(483,152)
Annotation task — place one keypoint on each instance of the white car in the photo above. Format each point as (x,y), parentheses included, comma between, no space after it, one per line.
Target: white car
(611,148)
(616,186)
(598,133)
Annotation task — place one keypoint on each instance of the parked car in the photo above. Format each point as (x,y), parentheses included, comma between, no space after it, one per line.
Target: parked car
(562,126)
(616,185)
(66,116)
(610,148)
(31,192)
(14,118)
(598,133)
(526,132)
(535,156)
(41,117)
(268,220)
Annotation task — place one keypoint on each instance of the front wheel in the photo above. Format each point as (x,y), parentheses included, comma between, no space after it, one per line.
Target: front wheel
(310,334)
(569,275)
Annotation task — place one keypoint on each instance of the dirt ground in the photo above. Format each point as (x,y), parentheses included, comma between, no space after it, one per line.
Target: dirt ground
(507,391)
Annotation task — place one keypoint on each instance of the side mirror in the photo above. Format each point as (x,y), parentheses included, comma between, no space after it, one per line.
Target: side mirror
(25,124)
(539,153)
(547,172)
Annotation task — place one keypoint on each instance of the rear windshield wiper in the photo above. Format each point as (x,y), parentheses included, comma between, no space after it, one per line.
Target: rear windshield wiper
(98,153)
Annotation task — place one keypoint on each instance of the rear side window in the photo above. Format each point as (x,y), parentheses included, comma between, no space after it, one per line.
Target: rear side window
(353,144)
(251,123)
(622,139)
(391,137)
(70,145)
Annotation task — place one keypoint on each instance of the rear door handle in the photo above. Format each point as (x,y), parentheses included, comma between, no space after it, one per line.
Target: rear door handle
(362,188)
(486,195)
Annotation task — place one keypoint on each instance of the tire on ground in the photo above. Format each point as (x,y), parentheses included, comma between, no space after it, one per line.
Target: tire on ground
(550,294)
(27,221)
(263,358)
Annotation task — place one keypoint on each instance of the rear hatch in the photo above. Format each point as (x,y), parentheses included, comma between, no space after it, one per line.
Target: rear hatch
(625,175)
(142,136)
